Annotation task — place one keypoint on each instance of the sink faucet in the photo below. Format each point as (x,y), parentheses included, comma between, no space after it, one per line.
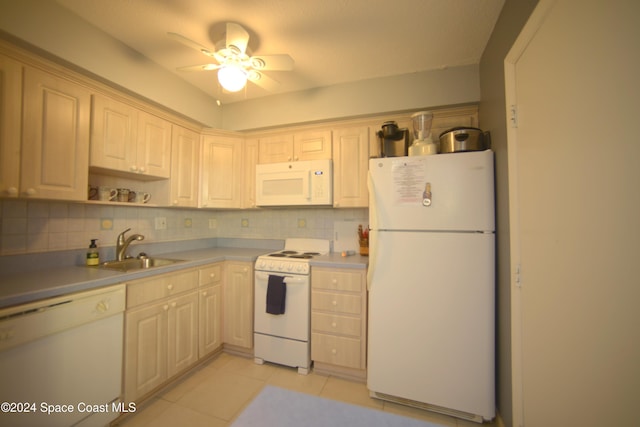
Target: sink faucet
(122,244)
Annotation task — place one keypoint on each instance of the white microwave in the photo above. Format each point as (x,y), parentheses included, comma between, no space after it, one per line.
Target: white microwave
(302,183)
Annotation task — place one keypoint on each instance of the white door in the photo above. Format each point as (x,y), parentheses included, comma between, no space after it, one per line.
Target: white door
(294,323)
(573,161)
(443,192)
(431,319)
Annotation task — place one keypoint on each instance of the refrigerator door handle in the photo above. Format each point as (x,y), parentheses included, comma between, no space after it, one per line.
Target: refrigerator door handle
(373,229)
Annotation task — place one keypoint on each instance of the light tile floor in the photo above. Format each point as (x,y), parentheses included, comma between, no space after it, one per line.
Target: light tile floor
(216,393)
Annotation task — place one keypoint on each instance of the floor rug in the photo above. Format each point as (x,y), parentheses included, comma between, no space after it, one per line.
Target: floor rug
(276,406)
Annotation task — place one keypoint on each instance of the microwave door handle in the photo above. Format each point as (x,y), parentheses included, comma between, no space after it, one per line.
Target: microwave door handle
(307,185)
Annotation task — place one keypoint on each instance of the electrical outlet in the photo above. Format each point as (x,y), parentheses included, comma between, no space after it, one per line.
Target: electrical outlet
(161,223)
(213,223)
(302,223)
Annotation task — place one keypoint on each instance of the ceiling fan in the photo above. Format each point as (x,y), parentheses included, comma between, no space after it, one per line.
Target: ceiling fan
(234,64)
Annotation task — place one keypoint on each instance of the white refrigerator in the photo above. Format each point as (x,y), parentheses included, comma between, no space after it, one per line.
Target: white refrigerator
(431,283)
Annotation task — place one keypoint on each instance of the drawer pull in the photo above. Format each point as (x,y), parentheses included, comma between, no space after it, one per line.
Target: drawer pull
(170,286)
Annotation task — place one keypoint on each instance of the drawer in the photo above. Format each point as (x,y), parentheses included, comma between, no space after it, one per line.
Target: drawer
(336,303)
(333,280)
(334,324)
(210,275)
(339,351)
(161,286)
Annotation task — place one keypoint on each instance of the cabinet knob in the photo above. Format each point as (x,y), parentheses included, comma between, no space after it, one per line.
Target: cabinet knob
(165,307)
(334,281)
(212,275)
(173,304)
(333,325)
(142,170)
(102,307)
(31,192)
(133,168)
(170,286)
(334,303)
(245,270)
(175,202)
(204,294)
(12,191)
(334,351)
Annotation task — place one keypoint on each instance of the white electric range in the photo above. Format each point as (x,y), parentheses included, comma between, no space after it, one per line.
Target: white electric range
(285,338)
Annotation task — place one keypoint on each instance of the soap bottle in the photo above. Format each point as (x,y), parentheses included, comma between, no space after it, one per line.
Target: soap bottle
(93,256)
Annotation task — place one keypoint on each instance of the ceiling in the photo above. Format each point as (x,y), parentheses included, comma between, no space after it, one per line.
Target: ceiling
(332,41)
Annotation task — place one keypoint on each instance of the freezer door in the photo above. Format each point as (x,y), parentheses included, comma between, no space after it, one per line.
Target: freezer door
(442,192)
(431,319)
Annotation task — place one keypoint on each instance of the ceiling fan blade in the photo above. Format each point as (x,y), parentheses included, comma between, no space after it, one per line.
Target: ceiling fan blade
(203,67)
(237,36)
(190,43)
(281,62)
(263,80)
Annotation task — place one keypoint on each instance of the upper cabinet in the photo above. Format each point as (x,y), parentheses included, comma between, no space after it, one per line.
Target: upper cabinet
(185,156)
(55,137)
(10,111)
(350,167)
(127,140)
(221,177)
(306,145)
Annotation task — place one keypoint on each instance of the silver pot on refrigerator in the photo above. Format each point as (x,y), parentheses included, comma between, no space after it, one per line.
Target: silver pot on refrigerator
(461,139)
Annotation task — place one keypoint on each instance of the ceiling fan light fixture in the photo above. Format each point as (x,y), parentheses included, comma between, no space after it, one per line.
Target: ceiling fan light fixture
(232,77)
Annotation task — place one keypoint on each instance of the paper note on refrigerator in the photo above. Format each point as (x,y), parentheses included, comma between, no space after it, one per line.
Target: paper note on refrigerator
(409,177)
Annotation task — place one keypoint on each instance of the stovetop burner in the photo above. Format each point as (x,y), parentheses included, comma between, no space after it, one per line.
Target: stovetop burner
(294,254)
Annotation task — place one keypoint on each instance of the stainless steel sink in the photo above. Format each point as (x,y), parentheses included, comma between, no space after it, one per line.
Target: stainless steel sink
(130,264)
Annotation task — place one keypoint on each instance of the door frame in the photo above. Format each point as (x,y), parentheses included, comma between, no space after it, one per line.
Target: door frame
(527,34)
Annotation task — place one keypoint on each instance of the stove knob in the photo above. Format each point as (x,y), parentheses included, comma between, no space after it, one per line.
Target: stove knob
(289,266)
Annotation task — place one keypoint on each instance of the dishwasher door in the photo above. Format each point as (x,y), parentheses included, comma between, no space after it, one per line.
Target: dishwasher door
(61,360)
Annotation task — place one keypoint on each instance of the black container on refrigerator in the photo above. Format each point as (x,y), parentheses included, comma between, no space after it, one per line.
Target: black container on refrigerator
(393,141)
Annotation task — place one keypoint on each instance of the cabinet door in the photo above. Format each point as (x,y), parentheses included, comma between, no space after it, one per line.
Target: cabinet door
(221,172)
(312,145)
(113,135)
(210,325)
(55,145)
(153,146)
(250,160)
(238,304)
(276,149)
(350,167)
(145,350)
(182,333)
(185,153)
(10,110)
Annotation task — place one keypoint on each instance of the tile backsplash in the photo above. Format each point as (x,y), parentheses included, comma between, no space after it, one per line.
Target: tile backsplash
(28,226)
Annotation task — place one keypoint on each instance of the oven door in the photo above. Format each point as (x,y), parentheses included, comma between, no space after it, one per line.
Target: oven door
(295,322)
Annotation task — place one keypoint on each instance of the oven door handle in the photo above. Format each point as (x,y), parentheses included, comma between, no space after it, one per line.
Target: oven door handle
(288,279)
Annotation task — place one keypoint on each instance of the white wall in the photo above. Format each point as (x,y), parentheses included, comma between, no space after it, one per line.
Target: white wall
(452,86)
(47,26)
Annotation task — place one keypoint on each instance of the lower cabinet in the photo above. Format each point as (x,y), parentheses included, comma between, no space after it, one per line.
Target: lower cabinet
(173,320)
(161,331)
(238,304)
(210,309)
(338,321)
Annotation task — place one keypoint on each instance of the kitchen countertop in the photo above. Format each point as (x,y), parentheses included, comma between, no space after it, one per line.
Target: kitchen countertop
(24,287)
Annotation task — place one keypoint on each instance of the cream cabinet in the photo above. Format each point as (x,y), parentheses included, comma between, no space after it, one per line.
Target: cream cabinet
(306,145)
(10,120)
(55,138)
(210,310)
(127,140)
(249,162)
(221,172)
(161,331)
(339,320)
(350,167)
(185,156)
(238,304)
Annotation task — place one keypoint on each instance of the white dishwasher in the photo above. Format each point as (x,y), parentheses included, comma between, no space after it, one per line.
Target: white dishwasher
(61,360)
